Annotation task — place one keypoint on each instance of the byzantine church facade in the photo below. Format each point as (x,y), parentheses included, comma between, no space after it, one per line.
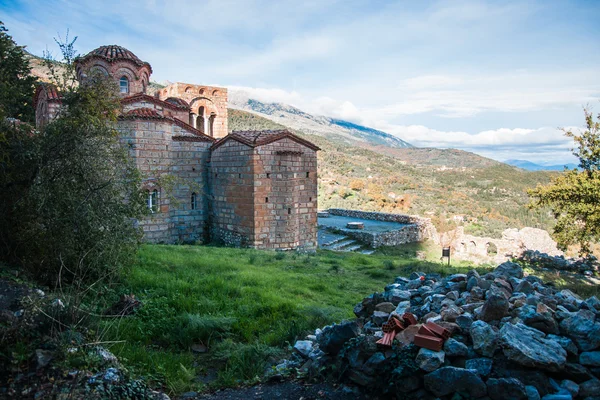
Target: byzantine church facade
(243,188)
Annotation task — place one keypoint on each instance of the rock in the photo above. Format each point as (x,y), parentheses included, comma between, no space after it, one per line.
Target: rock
(111,375)
(576,372)
(407,336)
(525,287)
(332,338)
(472,282)
(570,386)
(485,339)
(447,380)
(509,269)
(457,278)
(593,303)
(523,346)
(464,321)
(450,313)
(429,360)
(454,348)
(386,307)
(539,317)
(379,317)
(395,296)
(565,343)
(589,388)
(590,358)
(303,347)
(495,306)
(43,357)
(106,355)
(584,332)
(562,395)
(483,366)
(506,389)
(189,395)
(532,393)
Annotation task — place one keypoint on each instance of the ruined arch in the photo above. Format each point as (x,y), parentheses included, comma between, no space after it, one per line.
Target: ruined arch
(491,249)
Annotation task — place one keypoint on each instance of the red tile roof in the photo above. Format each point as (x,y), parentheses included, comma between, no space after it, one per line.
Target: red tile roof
(178,102)
(112,53)
(146,113)
(260,138)
(51,93)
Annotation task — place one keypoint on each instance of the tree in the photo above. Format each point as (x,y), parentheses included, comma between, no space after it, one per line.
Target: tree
(574,196)
(73,194)
(16,82)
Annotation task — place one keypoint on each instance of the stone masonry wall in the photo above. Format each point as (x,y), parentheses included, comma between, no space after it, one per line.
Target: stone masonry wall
(231,194)
(157,154)
(417,229)
(285,176)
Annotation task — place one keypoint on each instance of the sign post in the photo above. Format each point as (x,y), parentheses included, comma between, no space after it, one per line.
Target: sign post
(446,253)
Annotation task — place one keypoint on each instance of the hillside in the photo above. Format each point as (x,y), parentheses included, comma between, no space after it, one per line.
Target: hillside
(489,194)
(295,118)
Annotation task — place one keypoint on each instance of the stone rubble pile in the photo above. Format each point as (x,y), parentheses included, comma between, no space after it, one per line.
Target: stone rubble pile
(512,337)
(583,265)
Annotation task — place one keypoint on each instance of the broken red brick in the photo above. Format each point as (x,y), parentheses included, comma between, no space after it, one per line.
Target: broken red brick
(438,330)
(428,342)
(409,319)
(387,339)
(423,330)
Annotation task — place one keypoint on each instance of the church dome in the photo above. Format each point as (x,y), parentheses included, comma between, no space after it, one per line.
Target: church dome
(112,53)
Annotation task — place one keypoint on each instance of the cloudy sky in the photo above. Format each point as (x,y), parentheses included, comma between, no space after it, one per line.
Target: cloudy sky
(494,77)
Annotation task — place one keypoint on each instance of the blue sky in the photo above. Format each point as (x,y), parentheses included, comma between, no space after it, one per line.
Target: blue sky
(494,77)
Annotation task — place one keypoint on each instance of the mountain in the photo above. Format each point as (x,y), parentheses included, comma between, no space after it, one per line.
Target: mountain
(530,166)
(297,119)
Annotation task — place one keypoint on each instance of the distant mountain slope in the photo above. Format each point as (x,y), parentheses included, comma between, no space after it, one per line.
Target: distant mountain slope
(295,118)
(530,166)
(441,158)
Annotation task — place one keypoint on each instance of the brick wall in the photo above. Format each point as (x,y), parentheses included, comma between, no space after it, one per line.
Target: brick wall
(231,194)
(285,176)
(212,98)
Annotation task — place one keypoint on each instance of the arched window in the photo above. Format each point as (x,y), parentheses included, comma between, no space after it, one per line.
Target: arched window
(124,84)
(153,205)
(194,201)
(211,125)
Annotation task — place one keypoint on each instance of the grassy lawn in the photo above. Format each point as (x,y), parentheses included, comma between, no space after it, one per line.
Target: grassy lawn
(246,306)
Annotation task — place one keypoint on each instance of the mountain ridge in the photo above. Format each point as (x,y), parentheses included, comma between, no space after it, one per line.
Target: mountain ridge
(531,166)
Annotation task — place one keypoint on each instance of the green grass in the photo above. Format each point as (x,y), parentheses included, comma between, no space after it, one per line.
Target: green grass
(246,305)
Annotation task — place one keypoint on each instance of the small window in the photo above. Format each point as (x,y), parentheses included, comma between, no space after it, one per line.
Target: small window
(308,174)
(216,175)
(268,175)
(201,91)
(266,199)
(289,210)
(240,176)
(124,84)
(153,201)
(194,204)
(309,199)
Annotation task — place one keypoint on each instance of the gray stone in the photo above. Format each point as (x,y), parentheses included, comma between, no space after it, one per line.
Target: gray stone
(589,388)
(396,296)
(532,393)
(332,338)
(566,344)
(457,278)
(464,321)
(543,321)
(495,306)
(506,389)
(43,357)
(447,380)
(523,346)
(454,348)
(483,366)
(584,332)
(509,269)
(564,395)
(593,303)
(525,287)
(590,358)
(570,386)
(429,360)
(385,307)
(485,339)
(303,347)
(379,317)
(472,282)
(450,313)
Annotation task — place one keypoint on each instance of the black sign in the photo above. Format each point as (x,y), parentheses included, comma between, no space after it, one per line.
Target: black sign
(446,252)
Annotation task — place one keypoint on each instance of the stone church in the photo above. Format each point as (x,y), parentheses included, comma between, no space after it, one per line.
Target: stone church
(243,188)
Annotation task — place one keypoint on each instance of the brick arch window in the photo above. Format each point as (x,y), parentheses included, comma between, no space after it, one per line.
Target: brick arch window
(194,201)
(201,91)
(153,201)
(215,92)
(124,84)
(188,89)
